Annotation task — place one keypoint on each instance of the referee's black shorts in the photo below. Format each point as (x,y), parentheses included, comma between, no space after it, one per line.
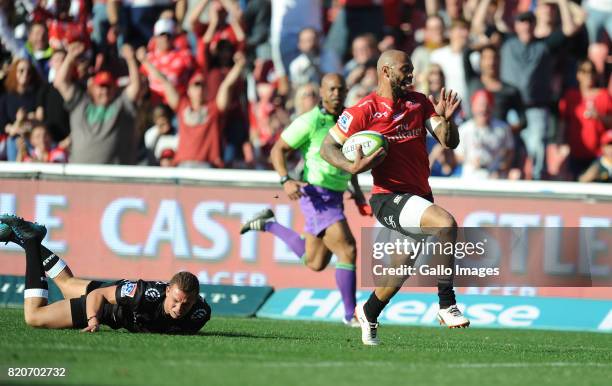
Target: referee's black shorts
(78,306)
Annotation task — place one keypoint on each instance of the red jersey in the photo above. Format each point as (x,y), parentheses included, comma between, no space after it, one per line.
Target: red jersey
(406,166)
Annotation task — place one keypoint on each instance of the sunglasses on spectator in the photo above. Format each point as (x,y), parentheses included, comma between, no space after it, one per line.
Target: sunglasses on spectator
(198,84)
(586,70)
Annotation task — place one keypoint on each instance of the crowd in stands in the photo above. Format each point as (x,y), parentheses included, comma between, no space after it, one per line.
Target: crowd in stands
(212,83)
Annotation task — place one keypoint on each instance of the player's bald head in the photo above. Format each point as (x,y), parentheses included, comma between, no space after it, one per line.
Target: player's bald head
(391,58)
(395,75)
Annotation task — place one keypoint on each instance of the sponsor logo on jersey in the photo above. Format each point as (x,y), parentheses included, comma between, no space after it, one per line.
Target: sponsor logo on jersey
(152,294)
(128,290)
(378,114)
(404,133)
(344,122)
(390,221)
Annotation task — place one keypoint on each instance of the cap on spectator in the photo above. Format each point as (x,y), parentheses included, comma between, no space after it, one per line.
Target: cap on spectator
(606,138)
(104,78)
(163,26)
(167,154)
(526,16)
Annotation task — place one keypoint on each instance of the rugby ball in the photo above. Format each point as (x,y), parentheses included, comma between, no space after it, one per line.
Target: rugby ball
(369,140)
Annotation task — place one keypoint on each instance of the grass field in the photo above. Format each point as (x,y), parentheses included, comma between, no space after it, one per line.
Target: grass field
(270,352)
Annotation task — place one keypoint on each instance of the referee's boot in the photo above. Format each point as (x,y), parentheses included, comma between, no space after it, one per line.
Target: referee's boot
(257,222)
(21,230)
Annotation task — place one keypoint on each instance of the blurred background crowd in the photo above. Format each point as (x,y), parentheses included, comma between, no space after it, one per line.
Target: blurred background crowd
(212,83)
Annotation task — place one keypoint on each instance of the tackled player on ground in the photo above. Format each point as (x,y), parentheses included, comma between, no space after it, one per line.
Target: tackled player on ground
(138,306)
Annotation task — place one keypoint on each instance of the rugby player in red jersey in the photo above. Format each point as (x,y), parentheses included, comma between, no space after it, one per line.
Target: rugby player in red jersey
(401,197)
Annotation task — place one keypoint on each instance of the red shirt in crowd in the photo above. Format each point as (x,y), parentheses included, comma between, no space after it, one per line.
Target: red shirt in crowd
(225,32)
(406,166)
(199,133)
(177,65)
(62,32)
(582,129)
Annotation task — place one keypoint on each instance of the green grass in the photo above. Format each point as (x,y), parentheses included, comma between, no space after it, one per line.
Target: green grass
(271,352)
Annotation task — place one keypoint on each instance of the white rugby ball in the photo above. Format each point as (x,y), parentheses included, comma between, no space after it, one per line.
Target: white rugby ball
(369,140)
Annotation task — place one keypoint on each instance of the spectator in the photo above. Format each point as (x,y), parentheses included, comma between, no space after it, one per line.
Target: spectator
(601,169)
(162,135)
(442,162)
(435,81)
(488,21)
(452,10)
(51,105)
(64,26)
(133,20)
(433,39)
(101,119)
(289,17)
(40,147)
(306,67)
(20,85)
(100,22)
(585,114)
(364,53)
(268,119)
(450,58)
(486,146)
(218,30)
(257,18)
(176,63)
(166,158)
(366,83)
(599,20)
(306,97)
(200,119)
(355,18)
(533,60)
(38,49)
(507,98)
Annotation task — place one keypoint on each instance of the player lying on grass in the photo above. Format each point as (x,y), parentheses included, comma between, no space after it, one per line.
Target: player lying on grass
(138,306)
(401,197)
(320,195)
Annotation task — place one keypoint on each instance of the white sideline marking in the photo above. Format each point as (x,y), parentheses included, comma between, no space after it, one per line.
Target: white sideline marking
(450,365)
(527,364)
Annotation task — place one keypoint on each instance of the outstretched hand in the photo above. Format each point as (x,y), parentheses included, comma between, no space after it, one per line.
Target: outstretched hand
(127,51)
(75,49)
(141,54)
(447,104)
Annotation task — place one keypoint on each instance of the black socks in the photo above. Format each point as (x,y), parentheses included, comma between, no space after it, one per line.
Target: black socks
(373,307)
